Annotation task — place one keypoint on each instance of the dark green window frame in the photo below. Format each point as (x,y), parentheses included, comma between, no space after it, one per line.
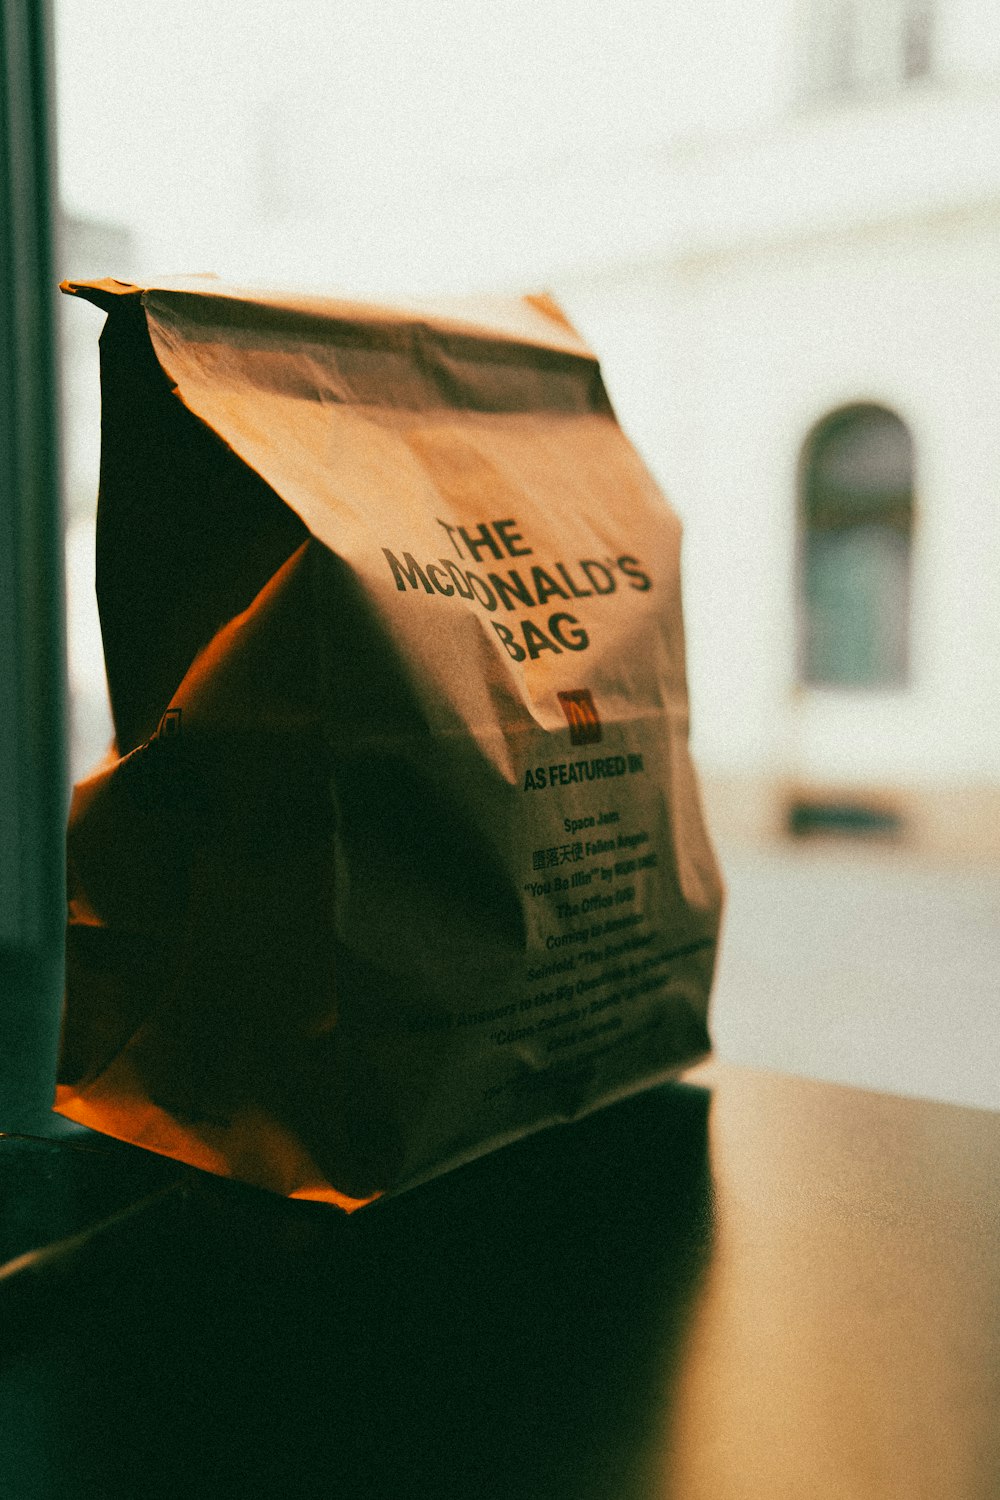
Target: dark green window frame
(32,649)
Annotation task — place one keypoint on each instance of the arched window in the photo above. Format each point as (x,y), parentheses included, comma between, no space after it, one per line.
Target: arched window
(856,523)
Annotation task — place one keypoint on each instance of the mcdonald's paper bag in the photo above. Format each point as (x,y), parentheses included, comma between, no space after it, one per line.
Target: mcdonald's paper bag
(398,853)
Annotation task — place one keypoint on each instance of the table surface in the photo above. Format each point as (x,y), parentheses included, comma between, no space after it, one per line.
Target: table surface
(746,1285)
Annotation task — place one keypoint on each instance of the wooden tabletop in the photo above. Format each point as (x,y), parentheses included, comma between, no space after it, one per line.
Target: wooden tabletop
(745,1287)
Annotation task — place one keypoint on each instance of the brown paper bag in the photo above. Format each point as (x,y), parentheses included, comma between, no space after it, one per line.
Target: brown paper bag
(398,854)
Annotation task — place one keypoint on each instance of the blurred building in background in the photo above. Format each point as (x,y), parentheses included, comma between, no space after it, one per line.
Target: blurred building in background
(803,336)
(795,299)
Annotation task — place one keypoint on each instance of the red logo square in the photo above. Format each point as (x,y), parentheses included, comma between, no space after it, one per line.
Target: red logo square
(582,717)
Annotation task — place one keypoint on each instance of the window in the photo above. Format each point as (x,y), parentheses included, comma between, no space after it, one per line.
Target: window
(863,46)
(856,523)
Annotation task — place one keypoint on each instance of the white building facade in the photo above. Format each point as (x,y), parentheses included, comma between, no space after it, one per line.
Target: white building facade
(798,313)
(801,330)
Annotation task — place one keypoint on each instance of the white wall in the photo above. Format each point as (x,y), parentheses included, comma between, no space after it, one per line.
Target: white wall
(720,367)
(968,41)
